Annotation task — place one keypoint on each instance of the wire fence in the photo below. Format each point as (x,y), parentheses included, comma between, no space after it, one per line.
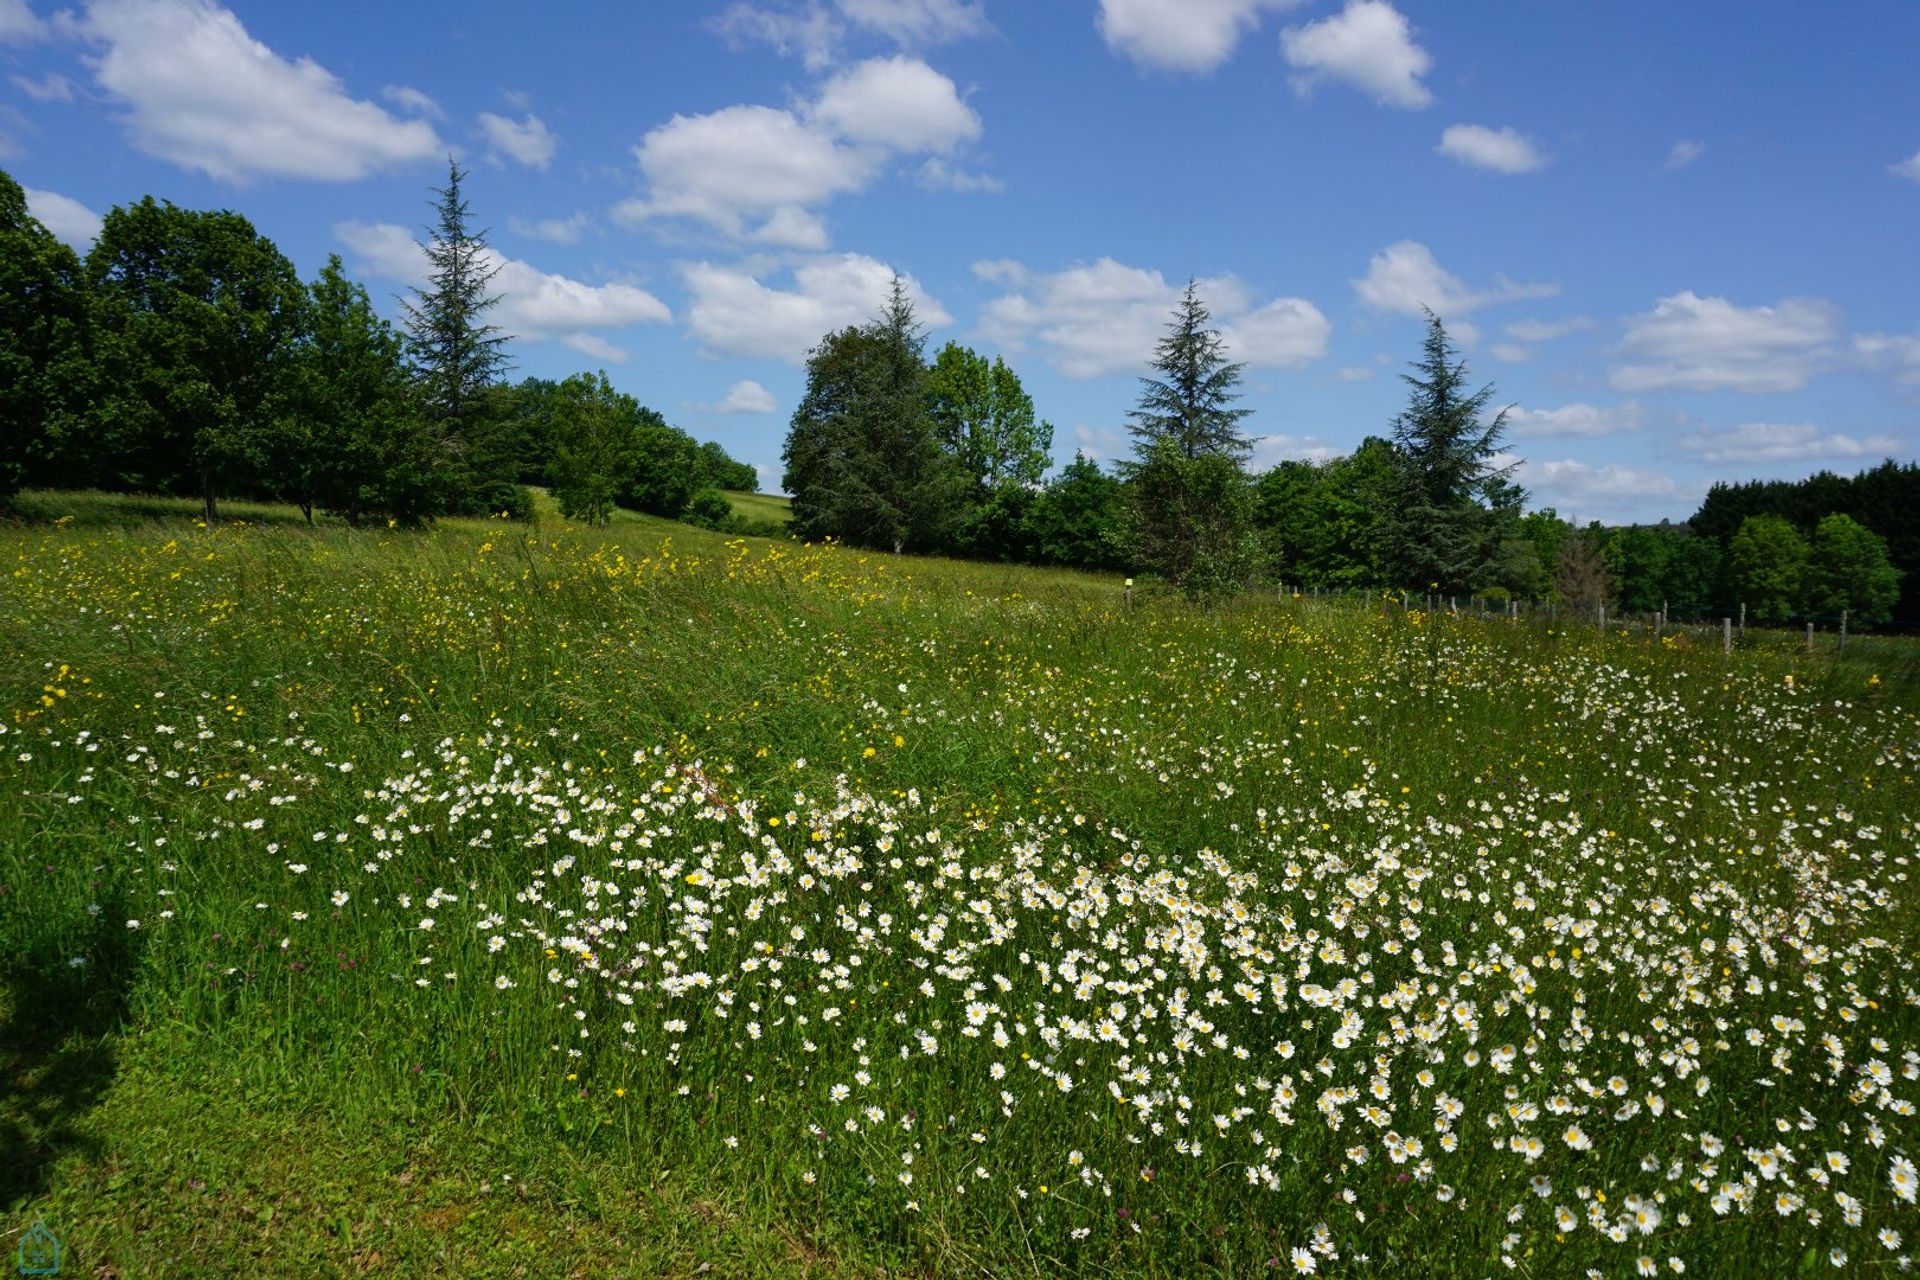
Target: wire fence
(1731,626)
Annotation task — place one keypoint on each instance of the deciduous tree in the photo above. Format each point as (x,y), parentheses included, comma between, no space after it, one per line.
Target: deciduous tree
(43,359)
(196,320)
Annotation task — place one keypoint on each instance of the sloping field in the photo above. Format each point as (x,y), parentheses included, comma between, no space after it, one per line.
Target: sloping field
(504,902)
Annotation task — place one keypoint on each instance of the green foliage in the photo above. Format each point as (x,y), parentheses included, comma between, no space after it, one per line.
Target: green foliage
(1189,505)
(1766,567)
(594,447)
(524,412)
(1190,520)
(1190,403)
(1075,520)
(710,509)
(348,418)
(720,470)
(666,470)
(43,324)
(984,419)
(457,356)
(1322,522)
(862,462)
(196,319)
(1884,499)
(1848,569)
(1439,533)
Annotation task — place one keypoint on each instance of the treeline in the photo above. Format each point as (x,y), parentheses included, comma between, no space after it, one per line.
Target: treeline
(184,355)
(888,450)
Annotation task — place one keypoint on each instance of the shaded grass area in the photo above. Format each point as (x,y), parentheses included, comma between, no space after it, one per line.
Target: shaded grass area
(182,1170)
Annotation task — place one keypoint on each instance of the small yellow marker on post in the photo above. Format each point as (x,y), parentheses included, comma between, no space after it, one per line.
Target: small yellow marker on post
(1129,592)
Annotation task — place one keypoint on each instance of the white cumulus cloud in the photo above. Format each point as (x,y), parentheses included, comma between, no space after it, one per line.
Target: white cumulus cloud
(760,174)
(744,396)
(1578,419)
(1908,168)
(413,102)
(1756,442)
(1405,278)
(900,103)
(1369,45)
(204,95)
(534,304)
(592,344)
(527,141)
(1105,317)
(1899,352)
(1180,35)
(1503,150)
(741,164)
(1691,343)
(66,217)
(734,311)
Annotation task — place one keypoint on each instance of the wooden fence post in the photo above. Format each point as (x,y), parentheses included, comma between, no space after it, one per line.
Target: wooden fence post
(1809,637)
(1726,635)
(1843,631)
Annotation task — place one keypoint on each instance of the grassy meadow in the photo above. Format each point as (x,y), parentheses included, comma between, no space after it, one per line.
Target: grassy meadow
(538,901)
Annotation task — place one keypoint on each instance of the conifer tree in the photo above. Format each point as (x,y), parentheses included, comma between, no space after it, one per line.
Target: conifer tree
(1190,403)
(456,354)
(1442,534)
(1189,502)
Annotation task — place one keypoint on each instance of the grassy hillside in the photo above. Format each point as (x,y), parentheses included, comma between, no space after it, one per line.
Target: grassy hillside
(761,506)
(508,901)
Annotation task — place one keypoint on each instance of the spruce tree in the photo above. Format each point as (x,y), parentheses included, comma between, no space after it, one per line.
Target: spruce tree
(1190,508)
(1190,403)
(457,356)
(1442,533)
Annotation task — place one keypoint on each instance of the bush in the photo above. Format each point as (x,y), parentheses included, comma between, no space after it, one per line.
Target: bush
(709,509)
(503,497)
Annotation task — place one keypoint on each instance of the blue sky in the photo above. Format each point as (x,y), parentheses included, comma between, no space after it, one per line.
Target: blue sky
(1680,240)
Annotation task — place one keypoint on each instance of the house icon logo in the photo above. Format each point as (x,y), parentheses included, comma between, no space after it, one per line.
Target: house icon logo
(39,1252)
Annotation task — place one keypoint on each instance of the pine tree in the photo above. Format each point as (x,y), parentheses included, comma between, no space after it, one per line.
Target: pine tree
(1190,403)
(1189,502)
(1442,535)
(456,355)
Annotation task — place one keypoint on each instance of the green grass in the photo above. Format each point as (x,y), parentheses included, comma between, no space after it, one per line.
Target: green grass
(766,822)
(761,506)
